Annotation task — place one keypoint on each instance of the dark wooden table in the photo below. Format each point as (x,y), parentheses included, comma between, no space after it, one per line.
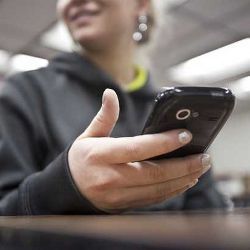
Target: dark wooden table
(164,230)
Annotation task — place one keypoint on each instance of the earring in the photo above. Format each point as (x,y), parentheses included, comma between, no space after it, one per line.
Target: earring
(142,28)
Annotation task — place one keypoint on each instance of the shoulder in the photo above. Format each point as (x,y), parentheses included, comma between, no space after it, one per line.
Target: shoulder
(23,84)
(34,82)
(44,77)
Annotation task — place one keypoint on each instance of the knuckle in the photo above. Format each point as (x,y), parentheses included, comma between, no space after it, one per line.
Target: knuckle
(155,173)
(168,143)
(77,149)
(133,150)
(160,191)
(100,118)
(172,186)
(104,183)
(113,200)
(93,155)
(99,185)
(188,165)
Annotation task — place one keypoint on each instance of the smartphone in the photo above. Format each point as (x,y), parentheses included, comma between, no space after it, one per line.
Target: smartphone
(201,110)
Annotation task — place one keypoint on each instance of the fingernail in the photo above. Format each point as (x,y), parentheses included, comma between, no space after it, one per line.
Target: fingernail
(184,137)
(193,183)
(206,162)
(104,97)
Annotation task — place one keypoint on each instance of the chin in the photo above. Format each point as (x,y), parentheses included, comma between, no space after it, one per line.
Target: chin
(90,40)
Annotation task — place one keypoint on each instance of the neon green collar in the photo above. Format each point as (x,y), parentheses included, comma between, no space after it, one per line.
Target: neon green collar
(140,80)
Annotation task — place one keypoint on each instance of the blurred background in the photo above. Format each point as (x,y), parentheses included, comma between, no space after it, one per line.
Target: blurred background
(197,42)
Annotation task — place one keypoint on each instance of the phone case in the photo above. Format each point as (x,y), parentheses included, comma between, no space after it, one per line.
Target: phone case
(201,110)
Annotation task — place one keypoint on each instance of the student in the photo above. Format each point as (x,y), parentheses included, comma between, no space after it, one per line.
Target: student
(60,155)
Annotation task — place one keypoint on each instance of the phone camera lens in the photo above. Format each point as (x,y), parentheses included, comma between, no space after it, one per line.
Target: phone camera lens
(183,114)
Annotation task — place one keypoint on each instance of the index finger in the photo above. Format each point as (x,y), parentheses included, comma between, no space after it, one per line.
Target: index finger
(142,147)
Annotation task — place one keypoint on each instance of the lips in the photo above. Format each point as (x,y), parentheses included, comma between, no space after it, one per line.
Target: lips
(84,11)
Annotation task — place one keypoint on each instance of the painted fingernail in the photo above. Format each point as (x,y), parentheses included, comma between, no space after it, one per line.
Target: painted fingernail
(206,162)
(104,98)
(184,137)
(193,183)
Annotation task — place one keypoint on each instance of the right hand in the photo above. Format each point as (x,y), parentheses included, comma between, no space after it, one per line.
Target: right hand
(113,173)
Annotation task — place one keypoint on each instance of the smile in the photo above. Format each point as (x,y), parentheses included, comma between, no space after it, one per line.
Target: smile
(83,14)
(85,11)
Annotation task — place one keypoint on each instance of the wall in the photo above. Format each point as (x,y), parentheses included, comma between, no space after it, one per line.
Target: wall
(231,149)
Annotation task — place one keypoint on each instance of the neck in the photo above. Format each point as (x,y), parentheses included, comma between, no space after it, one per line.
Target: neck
(117,62)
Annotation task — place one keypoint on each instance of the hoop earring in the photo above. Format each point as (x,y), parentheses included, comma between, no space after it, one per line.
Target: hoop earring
(138,35)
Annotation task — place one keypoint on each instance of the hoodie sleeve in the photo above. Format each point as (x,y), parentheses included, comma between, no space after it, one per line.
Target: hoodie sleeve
(27,187)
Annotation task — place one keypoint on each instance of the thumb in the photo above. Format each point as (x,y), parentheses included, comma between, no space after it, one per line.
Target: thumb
(105,120)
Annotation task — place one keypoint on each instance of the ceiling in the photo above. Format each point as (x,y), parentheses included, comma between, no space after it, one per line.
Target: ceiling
(22,22)
(198,26)
(189,28)
(192,27)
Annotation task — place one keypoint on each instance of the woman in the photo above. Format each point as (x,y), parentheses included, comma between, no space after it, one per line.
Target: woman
(45,170)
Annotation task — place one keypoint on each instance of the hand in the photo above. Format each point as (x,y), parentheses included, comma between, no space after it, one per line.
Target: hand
(114,176)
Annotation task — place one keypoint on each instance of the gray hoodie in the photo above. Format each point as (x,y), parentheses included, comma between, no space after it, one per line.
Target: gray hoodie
(41,114)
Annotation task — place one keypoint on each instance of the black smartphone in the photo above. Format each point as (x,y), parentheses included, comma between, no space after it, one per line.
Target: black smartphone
(201,110)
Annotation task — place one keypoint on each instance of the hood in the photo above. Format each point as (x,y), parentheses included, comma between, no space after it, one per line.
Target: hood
(78,66)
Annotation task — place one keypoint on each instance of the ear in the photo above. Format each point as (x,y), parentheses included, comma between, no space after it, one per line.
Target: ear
(143,7)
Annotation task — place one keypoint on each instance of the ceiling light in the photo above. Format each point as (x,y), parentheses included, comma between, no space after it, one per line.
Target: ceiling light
(217,65)
(25,63)
(4,58)
(241,87)
(58,38)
